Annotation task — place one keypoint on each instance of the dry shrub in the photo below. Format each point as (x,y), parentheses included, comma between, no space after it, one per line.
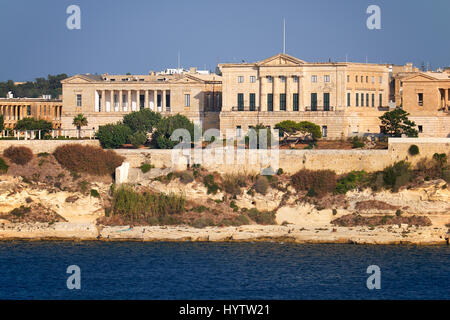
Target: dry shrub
(353,220)
(88,159)
(232,183)
(318,182)
(261,185)
(18,155)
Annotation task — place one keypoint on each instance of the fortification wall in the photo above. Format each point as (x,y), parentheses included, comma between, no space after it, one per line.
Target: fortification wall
(38,146)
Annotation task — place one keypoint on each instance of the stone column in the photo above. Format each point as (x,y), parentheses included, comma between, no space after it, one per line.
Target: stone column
(138,98)
(103,100)
(301,105)
(146,102)
(163,101)
(276,95)
(129,100)
(111,100)
(120,100)
(289,106)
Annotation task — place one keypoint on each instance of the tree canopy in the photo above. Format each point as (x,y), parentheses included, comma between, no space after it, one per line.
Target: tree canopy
(142,121)
(396,123)
(166,126)
(33,124)
(289,128)
(34,89)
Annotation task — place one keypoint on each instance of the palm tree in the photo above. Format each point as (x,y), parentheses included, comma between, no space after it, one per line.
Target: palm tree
(80,121)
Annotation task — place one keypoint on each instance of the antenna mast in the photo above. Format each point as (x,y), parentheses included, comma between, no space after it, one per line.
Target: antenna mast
(284,36)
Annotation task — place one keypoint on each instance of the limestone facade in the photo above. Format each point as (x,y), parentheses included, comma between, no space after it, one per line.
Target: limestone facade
(342,98)
(16,109)
(107,98)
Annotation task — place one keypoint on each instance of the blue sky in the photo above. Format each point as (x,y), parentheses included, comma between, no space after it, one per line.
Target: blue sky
(141,35)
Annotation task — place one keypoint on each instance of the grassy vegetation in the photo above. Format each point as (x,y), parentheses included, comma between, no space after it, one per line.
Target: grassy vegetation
(351,181)
(317,183)
(152,208)
(210,184)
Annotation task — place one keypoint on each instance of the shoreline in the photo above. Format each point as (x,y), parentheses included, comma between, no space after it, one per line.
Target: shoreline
(402,235)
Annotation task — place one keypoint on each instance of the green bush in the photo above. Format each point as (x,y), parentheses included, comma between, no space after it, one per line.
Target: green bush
(351,181)
(201,223)
(210,184)
(445,174)
(320,181)
(112,136)
(138,139)
(413,150)
(94,193)
(265,217)
(241,220)
(3,166)
(33,124)
(397,175)
(18,155)
(165,128)
(261,185)
(145,167)
(357,142)
(142,121)
(87,159)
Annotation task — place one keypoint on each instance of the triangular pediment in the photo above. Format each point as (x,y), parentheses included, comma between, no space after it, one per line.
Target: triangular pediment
(79,78)
(281,60)
(419,77)
(187,79)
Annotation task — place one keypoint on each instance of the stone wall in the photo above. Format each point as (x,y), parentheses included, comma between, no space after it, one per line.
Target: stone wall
(38,146)
(290,161)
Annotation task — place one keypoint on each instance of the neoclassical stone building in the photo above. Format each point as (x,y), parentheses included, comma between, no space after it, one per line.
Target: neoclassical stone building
(426,96)
(15,109)
(343,98)
(107,98)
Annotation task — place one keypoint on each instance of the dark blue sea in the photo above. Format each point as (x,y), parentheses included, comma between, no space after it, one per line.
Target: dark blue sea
(136,270)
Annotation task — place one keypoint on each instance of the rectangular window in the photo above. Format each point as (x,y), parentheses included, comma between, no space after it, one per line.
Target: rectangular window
(240,79)
(373,79)
(252,79)
(269,102)
(313,79)
(348,99)
(348,79)
(324,131)
(326,101)
(381,99)
(367,99)
(420,129)
(283,79)
(420,99)
(381,79)
(356,78)
(314,101)
(29,110)
(295,100)
(357,99)
(78,100)
(187,100)
(362,79)
(269,79)
(326,78)
(373,99)
(238,131)
(367,79)
(167,102)
(362,99)
(283,102)
(252,102)
(295,78)
(240,98)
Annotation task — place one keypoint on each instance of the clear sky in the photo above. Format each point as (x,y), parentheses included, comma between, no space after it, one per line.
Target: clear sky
(136,36)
